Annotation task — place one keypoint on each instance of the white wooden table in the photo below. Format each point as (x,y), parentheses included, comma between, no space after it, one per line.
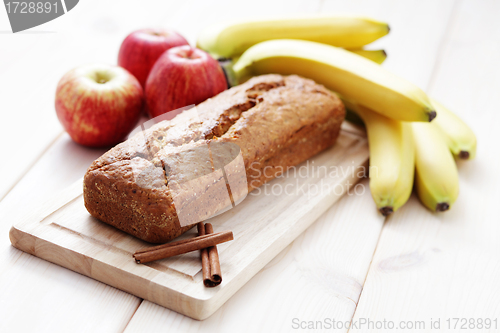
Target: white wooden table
(351,265)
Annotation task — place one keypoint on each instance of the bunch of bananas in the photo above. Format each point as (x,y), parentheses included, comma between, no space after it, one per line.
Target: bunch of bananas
(413,139)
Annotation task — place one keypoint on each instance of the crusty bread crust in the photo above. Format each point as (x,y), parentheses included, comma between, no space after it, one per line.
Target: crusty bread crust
(276,121)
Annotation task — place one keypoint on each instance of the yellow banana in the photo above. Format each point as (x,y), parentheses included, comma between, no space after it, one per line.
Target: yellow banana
(392,159)
(377,56)
(436,177)
(459,137)
(351,75)
(233,38)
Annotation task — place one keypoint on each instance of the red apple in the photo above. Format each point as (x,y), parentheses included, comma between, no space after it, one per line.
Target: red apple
(182,76)
(140,50)
(98,104)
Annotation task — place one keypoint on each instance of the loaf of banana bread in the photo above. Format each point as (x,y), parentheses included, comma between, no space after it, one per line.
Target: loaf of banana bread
(245,135)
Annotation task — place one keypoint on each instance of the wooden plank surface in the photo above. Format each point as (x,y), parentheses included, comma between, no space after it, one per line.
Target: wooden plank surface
(37,295)
(320,274)
(263,224)
(415,46)
(444,266)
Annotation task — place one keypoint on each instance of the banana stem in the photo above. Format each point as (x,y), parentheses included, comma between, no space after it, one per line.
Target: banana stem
(227,67)
(386,211)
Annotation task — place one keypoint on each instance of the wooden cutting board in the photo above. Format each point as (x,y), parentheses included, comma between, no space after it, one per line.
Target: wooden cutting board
(64,233)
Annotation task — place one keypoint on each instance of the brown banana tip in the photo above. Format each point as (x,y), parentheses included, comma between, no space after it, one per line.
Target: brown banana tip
(388,28)
(442,207)
(384,53)
(432,115)
(386,211)
(464,155)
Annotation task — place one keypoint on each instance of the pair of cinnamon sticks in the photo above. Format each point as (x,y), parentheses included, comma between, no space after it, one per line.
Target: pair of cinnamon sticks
(206,242)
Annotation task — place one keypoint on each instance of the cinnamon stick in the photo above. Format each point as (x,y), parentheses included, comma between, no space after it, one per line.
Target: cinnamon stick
(181,247)
(213,257)
(205,264)
(162,246)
